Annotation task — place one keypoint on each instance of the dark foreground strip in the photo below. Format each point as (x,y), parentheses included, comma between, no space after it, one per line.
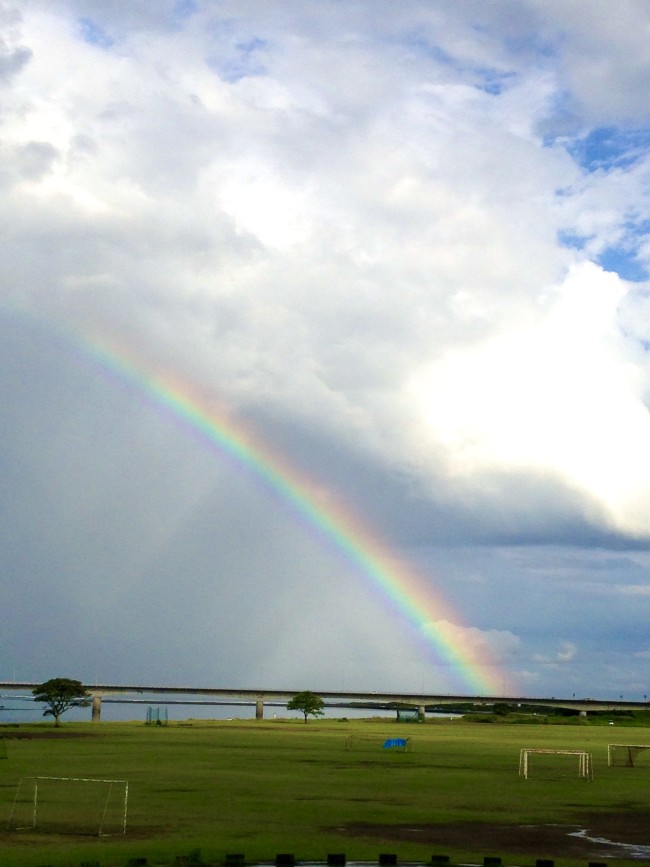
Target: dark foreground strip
(334,859)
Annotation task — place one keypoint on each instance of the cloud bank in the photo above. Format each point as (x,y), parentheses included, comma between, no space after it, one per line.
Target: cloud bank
(407,246)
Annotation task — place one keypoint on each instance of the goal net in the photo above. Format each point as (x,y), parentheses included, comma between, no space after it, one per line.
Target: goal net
(624,755)
(70,805)
(551,764)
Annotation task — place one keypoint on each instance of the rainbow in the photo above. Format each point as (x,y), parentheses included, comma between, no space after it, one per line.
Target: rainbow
(416,601)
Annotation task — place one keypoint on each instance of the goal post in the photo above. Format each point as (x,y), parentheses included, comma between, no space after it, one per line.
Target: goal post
(623,755)
(585,761)
(70,805)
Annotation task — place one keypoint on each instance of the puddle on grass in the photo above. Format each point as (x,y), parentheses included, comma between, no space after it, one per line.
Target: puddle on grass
(633,851)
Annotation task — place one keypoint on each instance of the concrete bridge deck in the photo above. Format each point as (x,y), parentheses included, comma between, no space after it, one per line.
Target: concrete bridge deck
(336,698)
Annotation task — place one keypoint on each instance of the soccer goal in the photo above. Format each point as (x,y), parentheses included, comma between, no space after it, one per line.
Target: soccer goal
(156,717)
(70,805)
(624,755)
(552,767)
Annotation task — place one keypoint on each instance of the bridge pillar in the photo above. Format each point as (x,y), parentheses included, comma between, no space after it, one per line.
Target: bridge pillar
(259,709)
(97,708)
(421,712)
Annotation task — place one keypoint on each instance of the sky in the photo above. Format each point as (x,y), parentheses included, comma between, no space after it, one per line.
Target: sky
(401,252)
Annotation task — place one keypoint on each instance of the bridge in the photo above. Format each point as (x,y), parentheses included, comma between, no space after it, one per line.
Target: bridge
(341,698)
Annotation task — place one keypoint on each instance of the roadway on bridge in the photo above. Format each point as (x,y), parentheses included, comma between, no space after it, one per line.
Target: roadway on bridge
(340,698)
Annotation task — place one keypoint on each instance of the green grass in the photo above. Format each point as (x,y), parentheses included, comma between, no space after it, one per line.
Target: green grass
(281,786)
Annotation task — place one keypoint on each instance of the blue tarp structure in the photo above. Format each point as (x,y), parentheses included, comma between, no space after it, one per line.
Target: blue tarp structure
(400,743)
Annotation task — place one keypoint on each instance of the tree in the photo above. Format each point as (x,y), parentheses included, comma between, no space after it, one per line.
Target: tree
(307,703)
(60,694)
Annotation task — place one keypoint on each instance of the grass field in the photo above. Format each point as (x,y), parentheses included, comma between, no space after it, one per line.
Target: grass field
(267,787)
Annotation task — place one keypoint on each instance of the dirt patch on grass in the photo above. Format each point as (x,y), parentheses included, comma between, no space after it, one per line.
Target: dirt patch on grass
(53,733)
(595,835)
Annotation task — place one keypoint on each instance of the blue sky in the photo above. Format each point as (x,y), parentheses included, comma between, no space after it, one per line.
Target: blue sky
(407,245)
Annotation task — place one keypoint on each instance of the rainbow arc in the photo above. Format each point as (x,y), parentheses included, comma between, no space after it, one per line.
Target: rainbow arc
(412,597)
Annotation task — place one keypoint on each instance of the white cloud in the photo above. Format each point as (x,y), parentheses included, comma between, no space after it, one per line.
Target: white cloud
(565,653)
(603,55)
(620,589)
(350,220)
(560,393)
(361,242)
(479,645)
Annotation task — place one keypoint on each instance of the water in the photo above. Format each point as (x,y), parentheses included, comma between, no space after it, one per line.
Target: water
(633,851)
(22,710)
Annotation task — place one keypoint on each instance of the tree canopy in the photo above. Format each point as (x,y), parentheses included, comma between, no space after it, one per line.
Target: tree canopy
(60,694)
(308,703)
